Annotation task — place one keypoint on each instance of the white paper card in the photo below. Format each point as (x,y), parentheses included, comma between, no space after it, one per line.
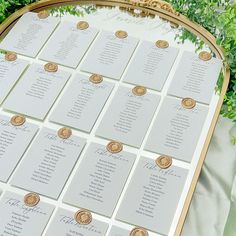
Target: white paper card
(68,44)
(64,224)
(10,72)
(29,34)
(131,117)
(152,196)
(151,65)
(176,130)
(14,140)
(109,55)
(36,91)
(82,103)
(117,231)
(20,220)
(195,78)
(98,173)
(48,163)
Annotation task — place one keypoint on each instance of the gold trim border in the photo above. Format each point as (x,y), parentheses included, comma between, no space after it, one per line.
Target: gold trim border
(179,19)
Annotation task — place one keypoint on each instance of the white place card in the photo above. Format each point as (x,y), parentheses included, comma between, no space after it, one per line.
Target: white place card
(64,224)
(14,140)
(10,72)
(196,78)
(176,130)
(36,92)
(98,173)
(82,103)
(20,220)
(152,196)
(68,44)
(117,231)
(48,163)
(29,34)
(151,65)
(131,117)
(109,55)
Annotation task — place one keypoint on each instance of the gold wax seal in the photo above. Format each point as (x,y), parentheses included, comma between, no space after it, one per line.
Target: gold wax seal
(31,199)
(114,147)
(139,90)
(162,44)
(51,67)
(83,217)
(121,34)
(138,232)
(82,25)
(164,162)
(96,79)
(64,132)
(205,56)
(17,120)
(188,103)
(43,14)
(10,56)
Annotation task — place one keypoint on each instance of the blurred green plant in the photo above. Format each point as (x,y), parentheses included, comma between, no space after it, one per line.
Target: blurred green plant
(73,10)
(219,18)
(233,140)
(7,7)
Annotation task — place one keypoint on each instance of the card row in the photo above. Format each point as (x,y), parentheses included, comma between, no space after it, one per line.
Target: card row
(37,90)
(110,54)
(132,112)
(19,213)
(148,201)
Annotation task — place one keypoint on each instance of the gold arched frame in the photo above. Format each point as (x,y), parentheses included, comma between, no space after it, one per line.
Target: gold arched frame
(165,11)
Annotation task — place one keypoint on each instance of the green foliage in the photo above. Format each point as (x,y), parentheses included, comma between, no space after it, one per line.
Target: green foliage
(219,18)
(233,140)
(2,51)
(7,7)
(73,10)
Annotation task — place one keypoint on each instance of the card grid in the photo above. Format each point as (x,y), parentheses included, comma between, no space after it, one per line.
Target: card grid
(92,136)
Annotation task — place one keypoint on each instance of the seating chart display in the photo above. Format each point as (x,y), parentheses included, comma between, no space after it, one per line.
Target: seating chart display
(103,120)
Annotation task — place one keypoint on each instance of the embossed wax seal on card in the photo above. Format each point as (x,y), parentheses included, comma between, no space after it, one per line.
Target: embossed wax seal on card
(83,217)
(10,56)
(162,44)
(139,90)
(188,103)
(121,34)
(138,232)
(43,14)
(82,25)
(64,133)
(96,79)
(114,147)
(51,67)
(164,162)
(17,120)
(205,56)
(31,199)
